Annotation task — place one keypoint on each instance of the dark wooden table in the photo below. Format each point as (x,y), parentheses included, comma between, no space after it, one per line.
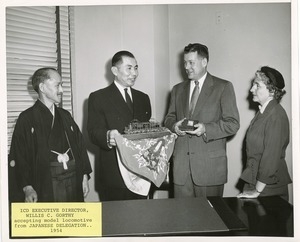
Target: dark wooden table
(264,216)
(269,216)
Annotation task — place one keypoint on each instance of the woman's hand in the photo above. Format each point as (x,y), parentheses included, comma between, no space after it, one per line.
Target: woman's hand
(248,194)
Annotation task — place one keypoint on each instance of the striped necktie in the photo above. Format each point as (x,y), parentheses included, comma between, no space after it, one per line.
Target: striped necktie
(194,98)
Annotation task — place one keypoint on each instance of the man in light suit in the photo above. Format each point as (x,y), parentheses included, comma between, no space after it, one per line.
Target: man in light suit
(199,158)
(110,110)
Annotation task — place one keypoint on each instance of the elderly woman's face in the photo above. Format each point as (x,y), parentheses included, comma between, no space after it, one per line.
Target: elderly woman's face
(260,91)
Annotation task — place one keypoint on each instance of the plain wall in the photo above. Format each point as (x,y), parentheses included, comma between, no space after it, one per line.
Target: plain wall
(241,38)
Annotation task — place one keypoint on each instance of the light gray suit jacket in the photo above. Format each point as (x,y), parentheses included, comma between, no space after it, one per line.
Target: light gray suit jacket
(204,156)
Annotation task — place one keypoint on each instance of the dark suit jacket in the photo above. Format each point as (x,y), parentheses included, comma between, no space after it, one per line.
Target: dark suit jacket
(205,156)
(108,110)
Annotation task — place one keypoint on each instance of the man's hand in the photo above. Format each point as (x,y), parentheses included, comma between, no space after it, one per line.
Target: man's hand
(111,134)
(85,185)
(30,194)
(176,128)
(200,130)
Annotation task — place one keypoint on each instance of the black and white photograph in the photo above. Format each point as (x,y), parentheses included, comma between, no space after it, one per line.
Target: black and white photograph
(178,120)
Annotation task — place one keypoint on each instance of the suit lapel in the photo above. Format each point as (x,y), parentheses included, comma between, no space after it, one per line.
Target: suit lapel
(135,104)
(205,92)
(184,99)
(269,107)
(267,111)
(257,115)
(118,102)
(261,116)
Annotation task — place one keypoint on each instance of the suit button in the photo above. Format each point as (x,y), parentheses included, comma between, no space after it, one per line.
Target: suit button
(12,163)
(188,153)
(190,136)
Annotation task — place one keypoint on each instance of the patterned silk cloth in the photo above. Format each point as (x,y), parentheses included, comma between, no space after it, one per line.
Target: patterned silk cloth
(146,159)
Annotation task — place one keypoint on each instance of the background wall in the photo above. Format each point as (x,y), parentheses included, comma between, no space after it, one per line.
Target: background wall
(241,38)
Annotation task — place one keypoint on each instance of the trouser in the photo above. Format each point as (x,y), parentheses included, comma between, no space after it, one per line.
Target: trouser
(190,189)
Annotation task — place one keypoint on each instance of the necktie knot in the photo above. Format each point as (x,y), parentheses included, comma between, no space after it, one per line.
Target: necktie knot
(197,83)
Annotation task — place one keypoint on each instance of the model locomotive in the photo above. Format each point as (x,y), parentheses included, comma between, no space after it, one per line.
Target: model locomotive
(140,130)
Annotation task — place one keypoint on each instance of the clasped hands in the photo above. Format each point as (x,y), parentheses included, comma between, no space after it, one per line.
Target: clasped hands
(200,129)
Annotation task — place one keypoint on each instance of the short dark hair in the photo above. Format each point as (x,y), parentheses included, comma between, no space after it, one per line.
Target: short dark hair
(40,76)
(117,58)
(202,50)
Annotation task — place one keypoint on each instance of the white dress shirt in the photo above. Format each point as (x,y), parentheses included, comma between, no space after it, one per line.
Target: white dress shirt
(192,85)
(121,89)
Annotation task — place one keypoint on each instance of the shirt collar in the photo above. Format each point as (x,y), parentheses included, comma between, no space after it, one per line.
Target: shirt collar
(201,81)
(263,107)
(121,89)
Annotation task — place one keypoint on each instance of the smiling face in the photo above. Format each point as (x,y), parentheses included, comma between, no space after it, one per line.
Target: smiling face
(259,90)
(195,65)
(126,72)
(51,89)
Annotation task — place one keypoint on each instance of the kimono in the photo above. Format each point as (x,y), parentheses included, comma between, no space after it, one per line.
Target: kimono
(31,151)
